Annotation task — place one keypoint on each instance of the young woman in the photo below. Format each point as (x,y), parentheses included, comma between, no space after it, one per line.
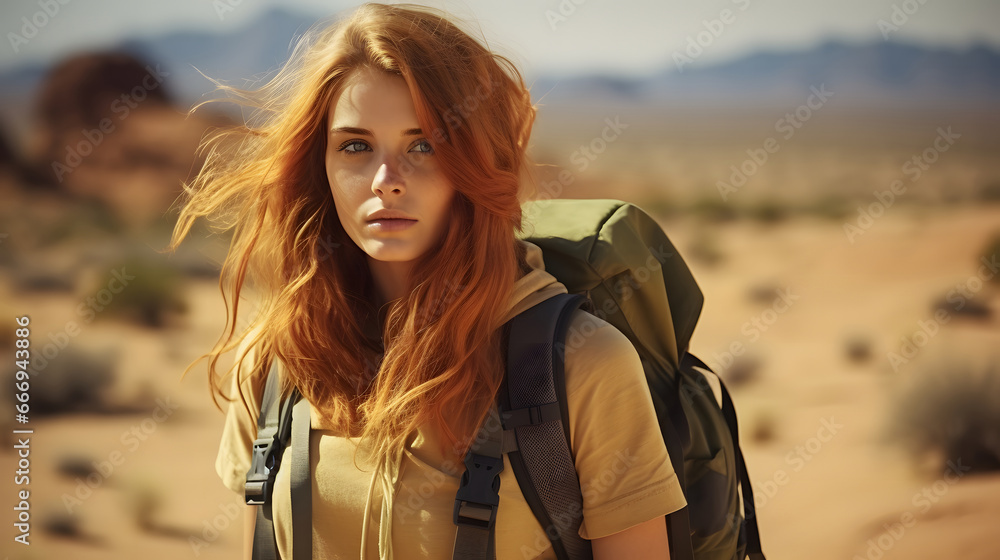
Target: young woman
(375,200)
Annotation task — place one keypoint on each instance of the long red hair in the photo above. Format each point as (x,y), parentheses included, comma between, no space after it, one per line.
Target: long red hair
(266,181)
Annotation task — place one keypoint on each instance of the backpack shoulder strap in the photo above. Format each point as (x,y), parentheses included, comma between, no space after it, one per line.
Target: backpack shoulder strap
(478,495)
(532,401)
(268,446)
(535,436)
(274,426)
(534,407)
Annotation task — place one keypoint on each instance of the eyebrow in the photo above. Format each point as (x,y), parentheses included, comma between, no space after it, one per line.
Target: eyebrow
(366,132)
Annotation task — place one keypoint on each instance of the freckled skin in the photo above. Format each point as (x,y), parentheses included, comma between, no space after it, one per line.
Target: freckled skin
(391,166)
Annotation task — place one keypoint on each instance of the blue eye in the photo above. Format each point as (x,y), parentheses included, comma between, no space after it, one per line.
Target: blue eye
(425,147)
(355,144)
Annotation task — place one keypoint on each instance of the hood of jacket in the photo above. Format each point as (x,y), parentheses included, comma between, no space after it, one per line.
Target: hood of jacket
(534,287)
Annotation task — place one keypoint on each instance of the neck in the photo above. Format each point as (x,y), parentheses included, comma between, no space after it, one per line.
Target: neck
(391,279)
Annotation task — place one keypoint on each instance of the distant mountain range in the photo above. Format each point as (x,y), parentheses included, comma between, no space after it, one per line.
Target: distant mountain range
(874,74)
(879,75)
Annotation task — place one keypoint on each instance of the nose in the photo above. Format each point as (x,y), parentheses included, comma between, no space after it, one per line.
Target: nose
(388,180)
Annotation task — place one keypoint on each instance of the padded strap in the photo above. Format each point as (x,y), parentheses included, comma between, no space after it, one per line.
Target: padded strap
(543,464)
(301,483)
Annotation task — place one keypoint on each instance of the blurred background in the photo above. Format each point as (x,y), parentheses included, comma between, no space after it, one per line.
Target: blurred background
(828,170)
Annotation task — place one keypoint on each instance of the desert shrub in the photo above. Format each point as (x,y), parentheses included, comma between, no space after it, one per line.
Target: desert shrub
(975,307)
(858,348)
(34,278)
(768,211)
(76,466)
(714,209)
(196,265)
(763,293)
(744,370)
(81,218)
(63,524)
(705,248)
(989,192)
(201,256)
(832,207)
(153,293)
(764,428)
(71,381)
(950,410)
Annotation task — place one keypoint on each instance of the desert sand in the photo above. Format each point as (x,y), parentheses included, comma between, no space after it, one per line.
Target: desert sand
(828,485)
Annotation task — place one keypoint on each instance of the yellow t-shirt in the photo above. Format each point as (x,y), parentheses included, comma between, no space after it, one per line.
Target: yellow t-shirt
(625,472)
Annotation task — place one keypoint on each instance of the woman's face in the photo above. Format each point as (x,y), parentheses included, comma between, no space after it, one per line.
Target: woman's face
(378,159)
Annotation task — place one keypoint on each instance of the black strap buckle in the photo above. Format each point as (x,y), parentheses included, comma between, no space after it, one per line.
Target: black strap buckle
(530,416)
(479,492)
(260,477)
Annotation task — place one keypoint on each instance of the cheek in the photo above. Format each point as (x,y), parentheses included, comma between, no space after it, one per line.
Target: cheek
(348,187)
(443,197)
(447,199)
(345,202)
(424,169)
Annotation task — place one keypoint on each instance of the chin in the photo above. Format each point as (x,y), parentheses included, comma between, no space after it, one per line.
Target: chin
(395,254)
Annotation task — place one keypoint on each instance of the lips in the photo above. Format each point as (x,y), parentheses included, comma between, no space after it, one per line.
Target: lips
(386,215)
(390,224)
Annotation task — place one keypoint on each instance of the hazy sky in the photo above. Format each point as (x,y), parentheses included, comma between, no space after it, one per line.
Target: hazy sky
(563,36)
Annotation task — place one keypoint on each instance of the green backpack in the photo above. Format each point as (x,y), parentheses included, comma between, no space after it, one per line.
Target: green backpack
(632,276)
(617,263)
